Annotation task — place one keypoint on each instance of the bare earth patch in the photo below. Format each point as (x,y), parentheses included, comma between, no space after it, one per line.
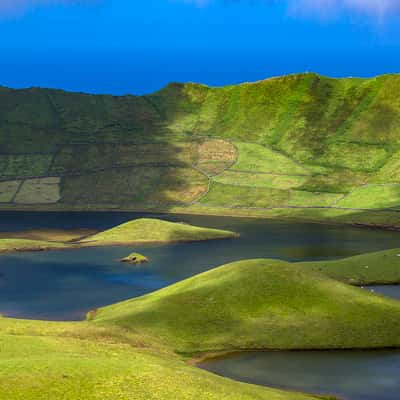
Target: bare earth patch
(215,156)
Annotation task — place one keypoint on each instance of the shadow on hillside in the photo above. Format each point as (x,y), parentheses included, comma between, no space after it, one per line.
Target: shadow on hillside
(111,152)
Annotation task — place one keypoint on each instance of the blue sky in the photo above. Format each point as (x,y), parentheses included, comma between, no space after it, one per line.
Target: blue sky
(127,46)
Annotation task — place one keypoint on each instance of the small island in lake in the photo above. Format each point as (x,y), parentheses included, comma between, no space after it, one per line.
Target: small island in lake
(135,258)
(150,230)
(138,231)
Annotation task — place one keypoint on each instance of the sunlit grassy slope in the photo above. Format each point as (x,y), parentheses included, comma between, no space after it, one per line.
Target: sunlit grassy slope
(148,230)
(260,304)
(129,350)
(40,360)
(302,140)
(378,268)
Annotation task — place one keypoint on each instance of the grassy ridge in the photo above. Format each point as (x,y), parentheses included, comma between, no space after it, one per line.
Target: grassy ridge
(260,304)
(298,136)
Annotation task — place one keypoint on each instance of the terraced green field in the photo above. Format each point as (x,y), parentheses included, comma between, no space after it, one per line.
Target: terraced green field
(303,141)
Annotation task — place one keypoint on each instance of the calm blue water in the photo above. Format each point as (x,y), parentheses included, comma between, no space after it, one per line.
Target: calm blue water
(64,285)
(351,375)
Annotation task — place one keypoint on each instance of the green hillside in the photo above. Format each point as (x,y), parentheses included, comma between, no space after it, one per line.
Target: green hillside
(294,142)
(380,268)
(260,304)
(140,348)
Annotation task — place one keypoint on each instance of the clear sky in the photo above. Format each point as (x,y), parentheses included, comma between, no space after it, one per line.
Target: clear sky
(134,46)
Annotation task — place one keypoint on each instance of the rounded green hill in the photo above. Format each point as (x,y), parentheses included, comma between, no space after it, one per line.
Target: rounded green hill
(148,230)
(260,304)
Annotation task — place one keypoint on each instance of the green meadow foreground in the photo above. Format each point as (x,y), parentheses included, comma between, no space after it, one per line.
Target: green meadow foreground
(303,146)
(140,348)
(40,360)
(138,231)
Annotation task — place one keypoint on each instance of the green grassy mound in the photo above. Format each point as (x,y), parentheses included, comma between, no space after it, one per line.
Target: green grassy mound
(135,258)
(260,304)
(147,230)
(378,268)
(144,230)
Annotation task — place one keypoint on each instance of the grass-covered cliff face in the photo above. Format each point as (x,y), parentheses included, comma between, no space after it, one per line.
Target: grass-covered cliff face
(295,141)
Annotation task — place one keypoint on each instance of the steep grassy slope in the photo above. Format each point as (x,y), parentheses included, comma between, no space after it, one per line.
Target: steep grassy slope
(296,141)
(147,230)
(260,304)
